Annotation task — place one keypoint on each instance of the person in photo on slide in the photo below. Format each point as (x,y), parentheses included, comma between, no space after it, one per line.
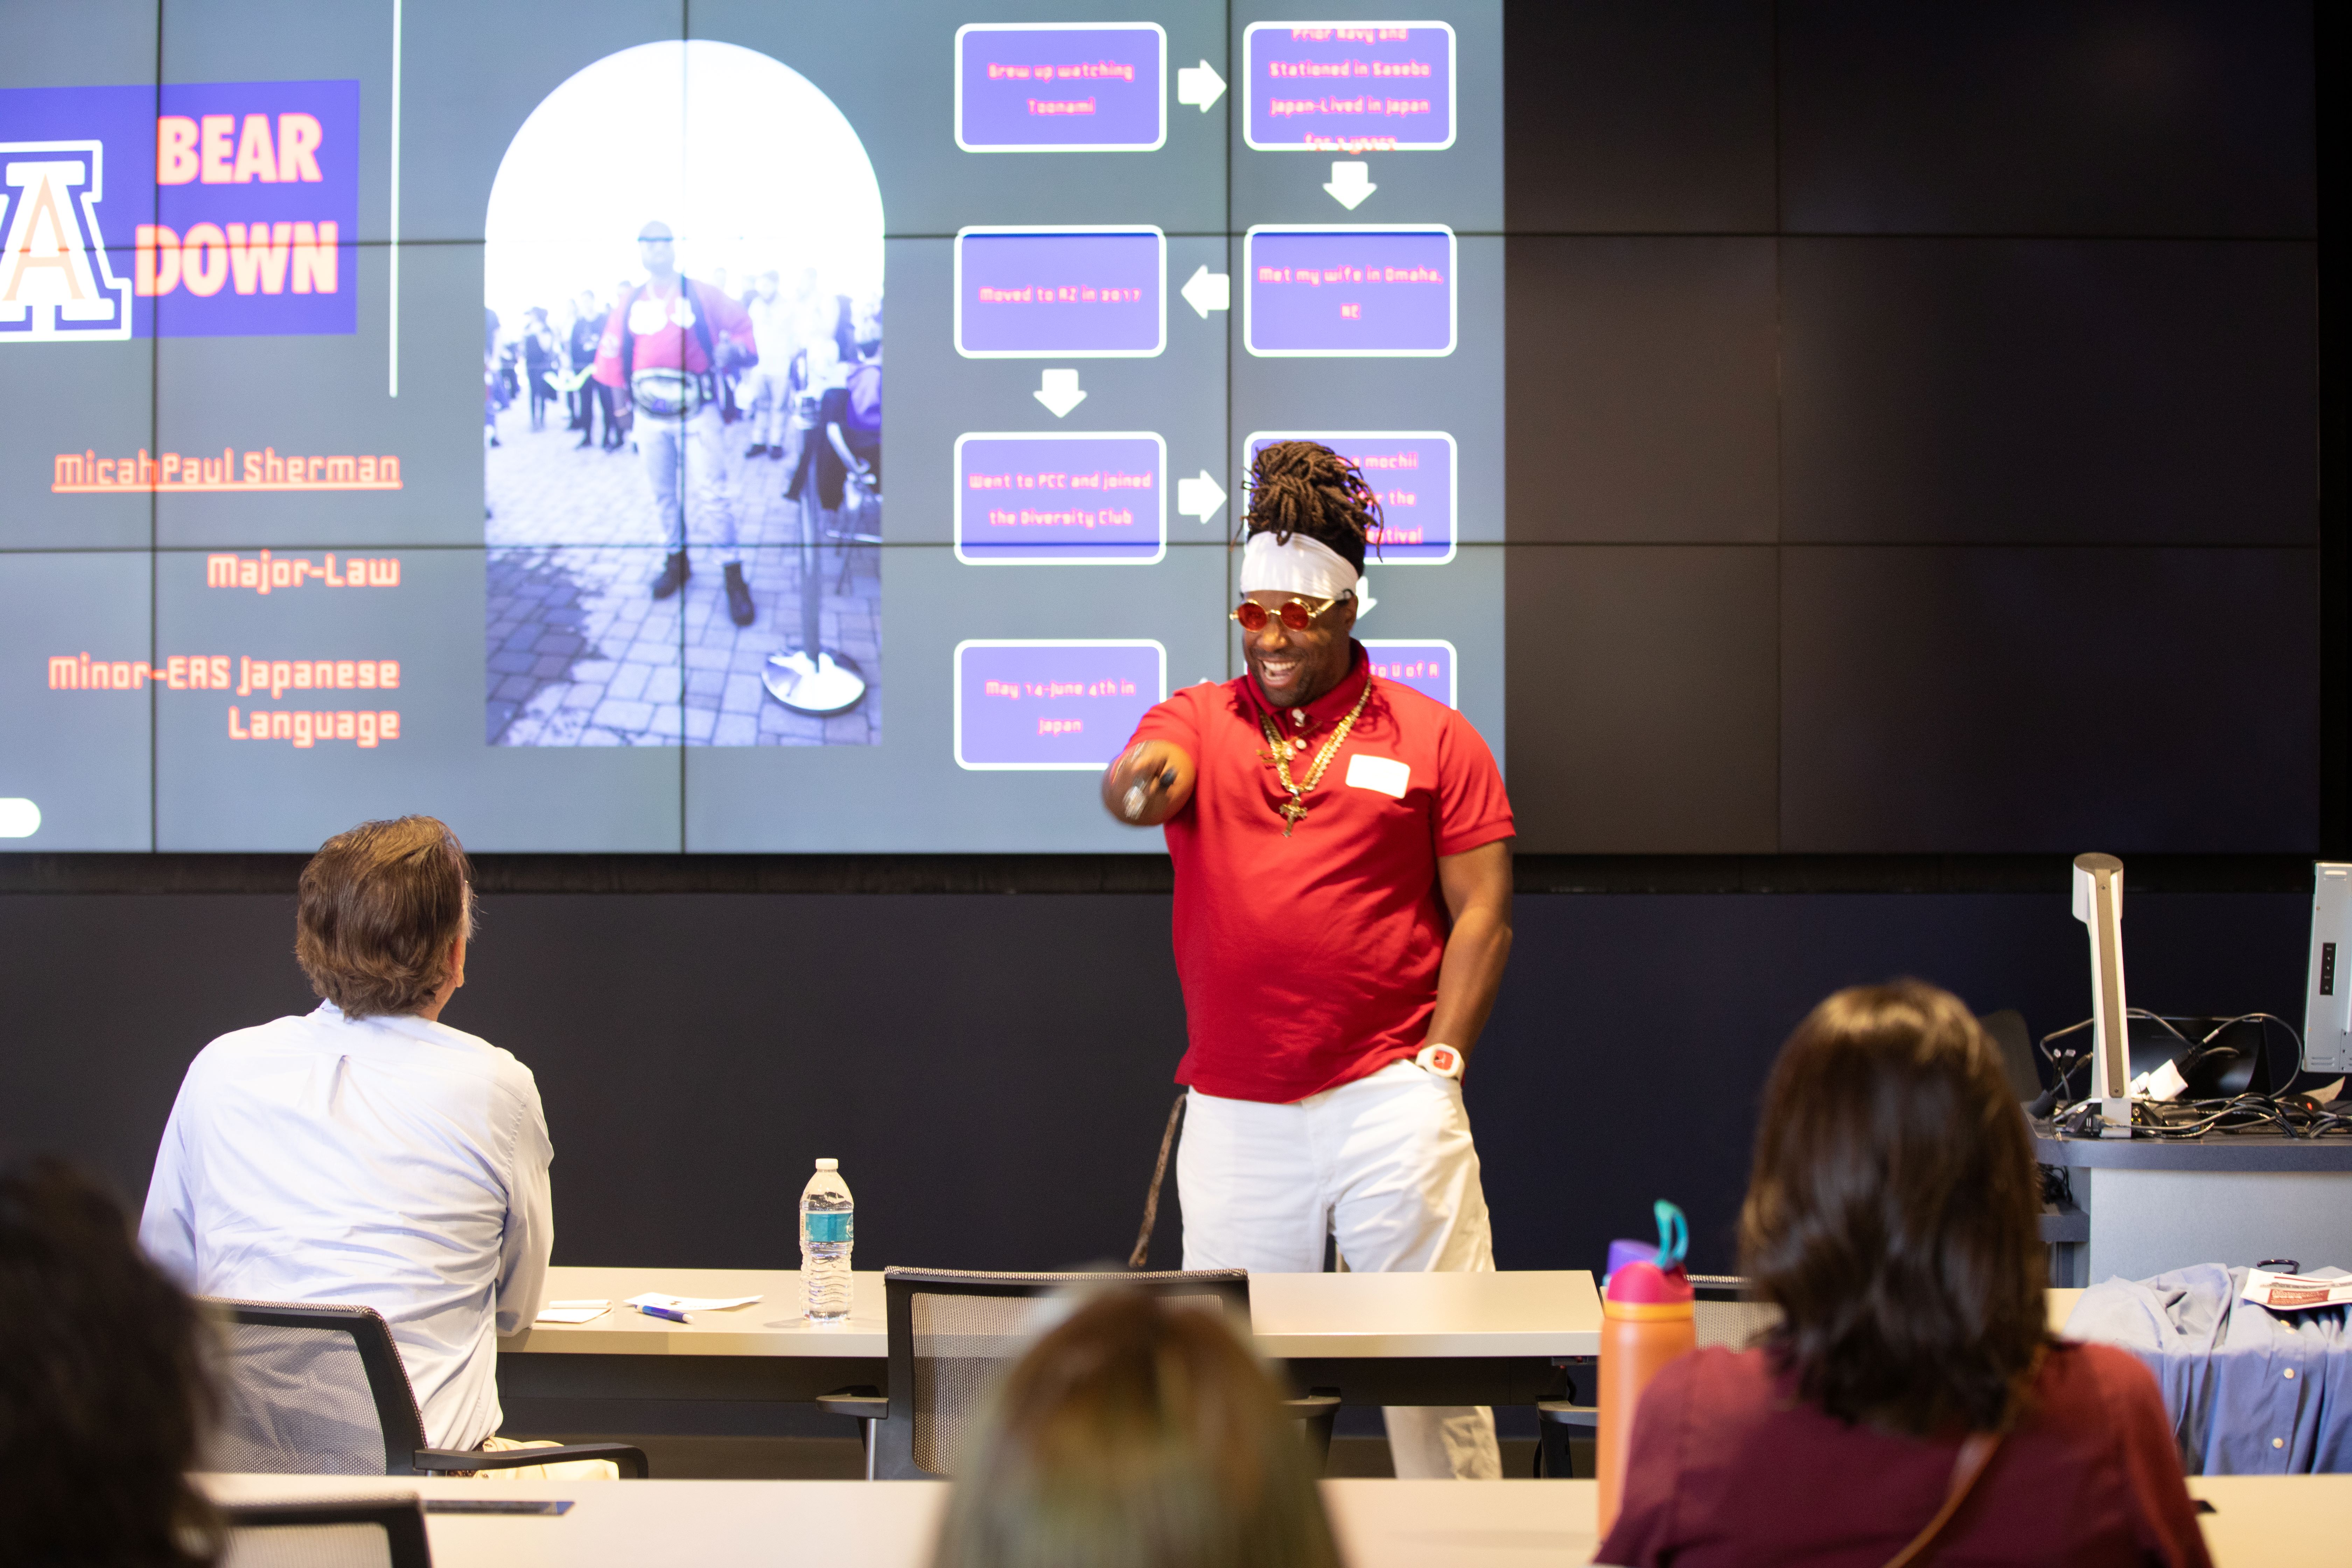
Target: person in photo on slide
(1342,850)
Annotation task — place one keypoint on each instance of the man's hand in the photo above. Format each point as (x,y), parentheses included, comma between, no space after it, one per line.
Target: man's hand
(1477,888)
(1149,784)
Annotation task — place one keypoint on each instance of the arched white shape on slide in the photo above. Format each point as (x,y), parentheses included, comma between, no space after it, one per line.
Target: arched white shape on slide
(19,817)
(752,168)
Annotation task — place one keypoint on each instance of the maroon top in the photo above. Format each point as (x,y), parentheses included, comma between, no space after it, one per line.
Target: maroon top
(1728,1466)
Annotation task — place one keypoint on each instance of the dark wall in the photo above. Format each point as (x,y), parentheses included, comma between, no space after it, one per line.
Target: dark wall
(1914,425)
(992,1072)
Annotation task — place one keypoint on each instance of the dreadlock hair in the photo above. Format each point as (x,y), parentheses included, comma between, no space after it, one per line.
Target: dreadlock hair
(1304,486)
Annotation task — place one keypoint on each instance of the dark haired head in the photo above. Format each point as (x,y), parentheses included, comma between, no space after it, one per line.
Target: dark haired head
(379,909)
(1303,487)
(1136,1435)
(1893,1214)
(103,1401)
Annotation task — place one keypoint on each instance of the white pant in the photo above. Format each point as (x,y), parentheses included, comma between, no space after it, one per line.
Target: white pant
(1385,1164)
(675,452)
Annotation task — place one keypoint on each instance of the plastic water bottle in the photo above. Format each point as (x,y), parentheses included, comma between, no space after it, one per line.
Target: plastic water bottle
(1647,1318)
(828,1228)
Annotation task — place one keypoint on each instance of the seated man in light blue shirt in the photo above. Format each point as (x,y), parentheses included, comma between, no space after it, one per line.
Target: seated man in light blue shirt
(367,1153)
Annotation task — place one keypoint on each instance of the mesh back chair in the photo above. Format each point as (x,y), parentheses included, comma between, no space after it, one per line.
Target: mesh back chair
(321,1391)
(1722,1314)
(951,1331)
(355,1532)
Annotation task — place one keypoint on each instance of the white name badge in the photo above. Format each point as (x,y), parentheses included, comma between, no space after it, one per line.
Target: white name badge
(1385,774)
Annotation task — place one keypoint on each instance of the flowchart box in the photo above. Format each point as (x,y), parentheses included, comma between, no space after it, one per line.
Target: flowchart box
(1052,705)
(1061,87)
(1413,473)
(1425,665)
(1349,290)
(1348,87)
(1061,293)
(1061,498)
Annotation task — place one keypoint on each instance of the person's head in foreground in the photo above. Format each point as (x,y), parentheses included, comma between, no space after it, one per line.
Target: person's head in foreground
(382,917)
(1137,1434)
(1311,517)
(1912,1385)
(103,1400)
(1894,1212)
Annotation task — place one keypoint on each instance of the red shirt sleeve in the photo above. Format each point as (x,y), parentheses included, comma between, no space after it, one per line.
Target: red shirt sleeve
(1171,721)
(1471,805)
(1644,1533)
(2163,1517)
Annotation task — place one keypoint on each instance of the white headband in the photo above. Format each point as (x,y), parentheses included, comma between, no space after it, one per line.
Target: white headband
(1300,565)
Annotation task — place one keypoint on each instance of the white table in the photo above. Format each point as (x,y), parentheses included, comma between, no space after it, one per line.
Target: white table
(1380,1339)
(2262,1520)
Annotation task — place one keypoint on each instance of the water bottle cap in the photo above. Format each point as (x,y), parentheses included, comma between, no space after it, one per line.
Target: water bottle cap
(828,1164)
(1646,1284)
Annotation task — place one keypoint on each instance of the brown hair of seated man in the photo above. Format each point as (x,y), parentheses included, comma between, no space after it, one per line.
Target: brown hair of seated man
(378,910)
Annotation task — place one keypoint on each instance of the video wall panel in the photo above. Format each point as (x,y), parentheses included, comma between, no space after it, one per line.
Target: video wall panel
(482,410)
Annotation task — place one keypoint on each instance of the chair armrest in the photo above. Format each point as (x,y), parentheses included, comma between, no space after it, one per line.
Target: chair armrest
(1311,1405)
(1560,1412)
(861,1403)
(439,1461)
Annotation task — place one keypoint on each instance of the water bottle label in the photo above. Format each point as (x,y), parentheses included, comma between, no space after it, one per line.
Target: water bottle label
(828,1226)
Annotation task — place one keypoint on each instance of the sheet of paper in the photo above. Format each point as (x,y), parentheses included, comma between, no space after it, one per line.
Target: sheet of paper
(2296,1292)
(690,1303)
(572,1311)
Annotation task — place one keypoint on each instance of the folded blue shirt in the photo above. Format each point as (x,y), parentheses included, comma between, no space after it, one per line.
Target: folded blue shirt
(2251,1392)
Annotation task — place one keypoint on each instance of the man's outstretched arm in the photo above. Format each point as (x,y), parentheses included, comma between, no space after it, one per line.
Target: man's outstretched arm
(1149,784)
(1477,888)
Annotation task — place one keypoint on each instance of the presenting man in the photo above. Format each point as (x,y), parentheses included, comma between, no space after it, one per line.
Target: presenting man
(1343,883)
(669,347)
(368,1153)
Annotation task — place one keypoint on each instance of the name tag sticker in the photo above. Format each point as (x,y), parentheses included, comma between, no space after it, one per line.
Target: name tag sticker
(1385,774)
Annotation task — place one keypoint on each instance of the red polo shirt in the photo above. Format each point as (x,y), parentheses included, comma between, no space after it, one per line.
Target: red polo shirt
(1310,961)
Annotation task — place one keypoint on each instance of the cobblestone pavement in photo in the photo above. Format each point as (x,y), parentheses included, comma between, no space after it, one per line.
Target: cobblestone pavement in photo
(579,652)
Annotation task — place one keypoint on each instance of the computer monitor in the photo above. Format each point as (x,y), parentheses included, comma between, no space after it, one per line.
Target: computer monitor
(2327,993)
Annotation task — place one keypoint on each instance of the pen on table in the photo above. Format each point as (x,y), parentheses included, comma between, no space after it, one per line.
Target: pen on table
(672,1313)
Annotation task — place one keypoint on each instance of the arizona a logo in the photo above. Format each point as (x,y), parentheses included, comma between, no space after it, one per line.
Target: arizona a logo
(56,282)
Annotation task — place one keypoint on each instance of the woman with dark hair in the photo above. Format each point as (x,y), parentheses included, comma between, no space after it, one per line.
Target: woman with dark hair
(1912,1393)
(1136,1435)
(103,1400)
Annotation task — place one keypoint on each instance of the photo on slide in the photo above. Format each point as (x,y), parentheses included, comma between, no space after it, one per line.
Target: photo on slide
(682,411)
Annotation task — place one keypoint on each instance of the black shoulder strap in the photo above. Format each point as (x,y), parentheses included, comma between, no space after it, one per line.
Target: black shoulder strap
(628,338)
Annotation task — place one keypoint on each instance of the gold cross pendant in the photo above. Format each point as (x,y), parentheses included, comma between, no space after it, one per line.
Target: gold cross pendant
(1292,810)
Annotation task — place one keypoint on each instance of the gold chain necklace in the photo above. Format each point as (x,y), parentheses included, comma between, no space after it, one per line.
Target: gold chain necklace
(1293,809)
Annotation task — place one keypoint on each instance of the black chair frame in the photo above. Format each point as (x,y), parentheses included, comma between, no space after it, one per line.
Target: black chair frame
(404,1449)
(886,1422)
(401,1519)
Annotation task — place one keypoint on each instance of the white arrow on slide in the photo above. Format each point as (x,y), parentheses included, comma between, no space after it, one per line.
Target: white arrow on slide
(1350,182)
(1199,84)
(1059,391)
(1200,498)
(1206,290)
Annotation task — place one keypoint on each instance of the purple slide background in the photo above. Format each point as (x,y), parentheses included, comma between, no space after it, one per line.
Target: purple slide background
(996,113)
(1004,730)
(123,118)
(1059,271)
(1418,498)
(1352,113)
(1097,456)
(1427,667)
(1287,313)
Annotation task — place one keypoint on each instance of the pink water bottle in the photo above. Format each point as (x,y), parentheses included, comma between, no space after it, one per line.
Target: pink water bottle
(1646,1321)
